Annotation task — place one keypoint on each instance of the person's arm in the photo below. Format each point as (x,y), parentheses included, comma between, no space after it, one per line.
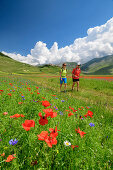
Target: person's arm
(73,74)
(60,75)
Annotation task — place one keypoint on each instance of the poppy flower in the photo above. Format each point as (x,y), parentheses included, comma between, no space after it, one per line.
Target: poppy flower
(10,158)
(53,133)
(3,154)
(20,102)
(43,135)
(74,146)
(90,113)
(9,94)
(80,117)
(43,119)
(70,114)
(17,115)
(28,124)
(1,90)
(5,113)
(87,107)
(72,109)
(80,132)
(50,141)
(46,103)
(37,87)
(10,84)
(49,112)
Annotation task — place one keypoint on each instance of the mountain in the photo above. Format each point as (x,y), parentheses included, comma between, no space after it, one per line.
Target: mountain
(70,65)
(96,66)
(9,65)
(99,66)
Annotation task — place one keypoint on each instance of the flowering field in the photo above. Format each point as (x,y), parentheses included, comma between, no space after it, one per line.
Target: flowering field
(41,129)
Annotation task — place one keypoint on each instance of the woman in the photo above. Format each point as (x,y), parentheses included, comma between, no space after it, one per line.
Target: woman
(63,75)
(75,76)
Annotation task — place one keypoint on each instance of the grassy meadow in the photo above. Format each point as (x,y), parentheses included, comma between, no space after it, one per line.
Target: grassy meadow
(23,95)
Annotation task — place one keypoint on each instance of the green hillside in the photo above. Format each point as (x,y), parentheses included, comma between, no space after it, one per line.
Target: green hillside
(102,66)
(8,65)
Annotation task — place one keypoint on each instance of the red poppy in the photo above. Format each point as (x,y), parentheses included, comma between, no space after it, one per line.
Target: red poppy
(86,115)
(80,132)
(53,133)
(45,103)
(1,90)
(43,135)
(87,107)
(20,102)
(9,94)
(74,146)
(72,109)
(43,119)
(70,114)
(28,124)
(3,154)
(37,87)
(10,158)
(79,109)
(17,115)
(50,141)
(90,113)
(80,117)
(38,93)
(5,113)
(10,84)
(49,112)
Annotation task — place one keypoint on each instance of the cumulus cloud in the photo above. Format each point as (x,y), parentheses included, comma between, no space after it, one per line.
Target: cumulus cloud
(97,43)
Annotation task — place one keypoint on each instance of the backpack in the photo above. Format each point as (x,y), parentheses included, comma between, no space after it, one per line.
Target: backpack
(62,69)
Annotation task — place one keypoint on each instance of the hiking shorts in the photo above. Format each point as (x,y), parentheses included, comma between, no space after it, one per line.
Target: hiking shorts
(74,80)
(63,79)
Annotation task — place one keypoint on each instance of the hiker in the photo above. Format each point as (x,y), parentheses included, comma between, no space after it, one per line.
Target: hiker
(63,75)
(75,76)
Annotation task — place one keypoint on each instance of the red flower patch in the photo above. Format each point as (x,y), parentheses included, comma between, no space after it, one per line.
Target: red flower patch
(28,124)
(45,103)
(43,119)
(17,115)
(80,132)
(53,133)
(70,114)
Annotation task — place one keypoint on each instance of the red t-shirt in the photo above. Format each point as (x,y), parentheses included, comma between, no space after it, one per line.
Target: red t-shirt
(76,72)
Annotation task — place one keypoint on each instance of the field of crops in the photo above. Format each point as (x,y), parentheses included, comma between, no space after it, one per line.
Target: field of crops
(41,128)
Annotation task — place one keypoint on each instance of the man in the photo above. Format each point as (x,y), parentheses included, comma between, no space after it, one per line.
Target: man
(63,76)
(75,76)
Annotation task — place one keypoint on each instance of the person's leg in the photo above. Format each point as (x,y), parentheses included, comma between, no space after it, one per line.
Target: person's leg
(61,81)
(73,85)
(77,85)
(65,83)
(65,86)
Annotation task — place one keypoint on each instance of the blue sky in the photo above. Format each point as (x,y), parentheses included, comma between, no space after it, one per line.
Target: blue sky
(25,22)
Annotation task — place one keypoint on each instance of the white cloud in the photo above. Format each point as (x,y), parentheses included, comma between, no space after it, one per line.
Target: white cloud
(97,43)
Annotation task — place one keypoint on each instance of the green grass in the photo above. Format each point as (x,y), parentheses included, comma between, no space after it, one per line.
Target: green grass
(95,148)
